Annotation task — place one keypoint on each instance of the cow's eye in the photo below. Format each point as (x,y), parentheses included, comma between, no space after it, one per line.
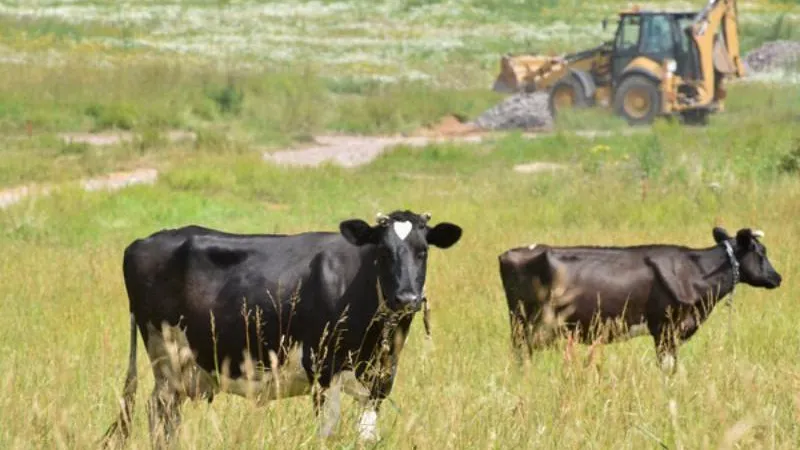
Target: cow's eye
(422,254)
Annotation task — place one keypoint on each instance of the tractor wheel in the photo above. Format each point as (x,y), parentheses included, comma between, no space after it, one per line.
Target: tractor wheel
(566,93)
(638,100)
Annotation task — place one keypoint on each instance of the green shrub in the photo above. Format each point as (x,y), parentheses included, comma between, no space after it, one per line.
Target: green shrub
(120,115)
(790,162)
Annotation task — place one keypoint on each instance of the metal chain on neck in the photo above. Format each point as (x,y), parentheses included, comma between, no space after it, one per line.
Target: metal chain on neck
(734,269)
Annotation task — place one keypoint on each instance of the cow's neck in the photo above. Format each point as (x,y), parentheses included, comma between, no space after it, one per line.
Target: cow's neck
(720,270)
(383,328)
(394,326)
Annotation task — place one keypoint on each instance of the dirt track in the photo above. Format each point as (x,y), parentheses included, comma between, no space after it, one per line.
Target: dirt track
(345,151)
(350,151)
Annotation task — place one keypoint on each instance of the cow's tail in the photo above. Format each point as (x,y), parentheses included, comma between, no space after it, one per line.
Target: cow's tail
(119,431)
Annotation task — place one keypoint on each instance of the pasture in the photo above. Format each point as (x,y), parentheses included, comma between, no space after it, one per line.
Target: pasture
(63,308)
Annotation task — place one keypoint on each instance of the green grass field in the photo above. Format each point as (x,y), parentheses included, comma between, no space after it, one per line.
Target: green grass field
(63,309)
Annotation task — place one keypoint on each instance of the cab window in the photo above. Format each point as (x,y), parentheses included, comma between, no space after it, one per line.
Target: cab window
(628,35)
(657,37)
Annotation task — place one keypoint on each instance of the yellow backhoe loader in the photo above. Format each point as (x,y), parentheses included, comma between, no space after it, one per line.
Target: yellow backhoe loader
(659,63)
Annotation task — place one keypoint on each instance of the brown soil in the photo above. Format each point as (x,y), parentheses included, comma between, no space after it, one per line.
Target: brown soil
(450,126)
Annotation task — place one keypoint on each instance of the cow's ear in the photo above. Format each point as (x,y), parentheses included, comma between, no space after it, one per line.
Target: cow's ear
(720,235)
(444,235)
(745,238)
(357,232)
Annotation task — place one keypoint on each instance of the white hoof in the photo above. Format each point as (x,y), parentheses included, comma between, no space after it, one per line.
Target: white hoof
(368,426)
(668,364)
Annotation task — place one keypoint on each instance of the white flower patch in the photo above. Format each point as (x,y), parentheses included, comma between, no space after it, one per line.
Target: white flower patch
(387,41)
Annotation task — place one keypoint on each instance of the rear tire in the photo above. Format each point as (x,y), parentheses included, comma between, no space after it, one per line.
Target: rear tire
(637,100)
(566,93)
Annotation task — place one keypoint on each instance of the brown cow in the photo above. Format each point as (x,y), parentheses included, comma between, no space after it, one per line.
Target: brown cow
(611,293)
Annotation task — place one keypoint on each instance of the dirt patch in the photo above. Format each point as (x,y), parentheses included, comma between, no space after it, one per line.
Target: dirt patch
(118,137)
(118,180)
(537,167)
(110,182)
(351,151)
(450,126)
(345,151)
(14,195)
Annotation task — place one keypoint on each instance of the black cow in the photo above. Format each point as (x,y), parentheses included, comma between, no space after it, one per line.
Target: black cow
(275,316)
(611,293)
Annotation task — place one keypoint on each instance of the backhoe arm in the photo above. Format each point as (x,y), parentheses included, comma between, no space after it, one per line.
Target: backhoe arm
(718,15)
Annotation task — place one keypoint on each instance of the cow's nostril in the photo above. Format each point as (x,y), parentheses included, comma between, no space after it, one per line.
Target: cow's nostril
(407,298)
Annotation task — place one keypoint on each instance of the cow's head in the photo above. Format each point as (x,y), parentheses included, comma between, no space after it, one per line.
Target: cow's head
(754,267)
(401,240)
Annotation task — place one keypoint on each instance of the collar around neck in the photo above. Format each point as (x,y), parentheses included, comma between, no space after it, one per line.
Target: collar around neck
(734,262)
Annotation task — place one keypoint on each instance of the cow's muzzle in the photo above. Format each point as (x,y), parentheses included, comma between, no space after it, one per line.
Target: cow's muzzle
(774,280)
(408,301)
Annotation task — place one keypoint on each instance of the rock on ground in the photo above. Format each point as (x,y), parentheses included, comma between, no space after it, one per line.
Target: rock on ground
(521,110)
(773,55)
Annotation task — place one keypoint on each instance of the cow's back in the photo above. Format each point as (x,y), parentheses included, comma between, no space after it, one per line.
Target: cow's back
(230,291)
(154,270)
(582,282)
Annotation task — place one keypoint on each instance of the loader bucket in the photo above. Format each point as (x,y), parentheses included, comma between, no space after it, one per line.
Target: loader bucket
(516,71)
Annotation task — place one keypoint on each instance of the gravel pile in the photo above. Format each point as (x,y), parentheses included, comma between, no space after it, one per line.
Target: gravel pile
(520,110)
(773,55)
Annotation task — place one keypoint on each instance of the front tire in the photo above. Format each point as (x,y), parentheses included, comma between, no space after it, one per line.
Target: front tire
(566,93)
(638,100)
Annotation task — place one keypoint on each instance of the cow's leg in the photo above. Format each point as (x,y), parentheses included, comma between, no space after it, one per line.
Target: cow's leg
(170,357)
(164,415)
(368,422)
(327,407)
(370,401)
(520,334)
(666,346)
(542,336)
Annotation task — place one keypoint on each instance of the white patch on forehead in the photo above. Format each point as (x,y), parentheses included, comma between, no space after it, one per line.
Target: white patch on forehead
(402,228)
(532,246)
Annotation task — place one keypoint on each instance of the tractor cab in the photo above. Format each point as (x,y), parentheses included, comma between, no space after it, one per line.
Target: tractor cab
(657,36)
